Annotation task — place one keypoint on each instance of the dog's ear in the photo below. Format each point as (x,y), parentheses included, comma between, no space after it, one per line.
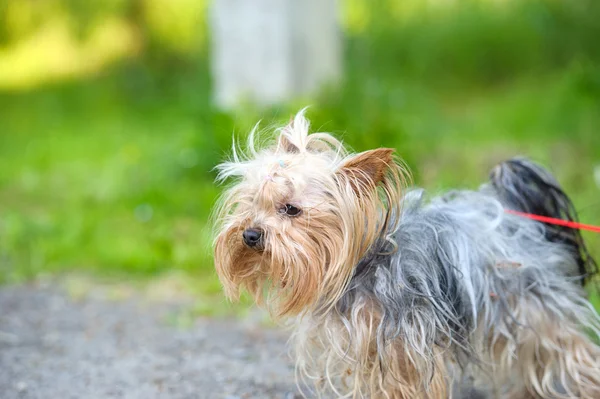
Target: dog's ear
(367,169)
(284,142)
(287,146)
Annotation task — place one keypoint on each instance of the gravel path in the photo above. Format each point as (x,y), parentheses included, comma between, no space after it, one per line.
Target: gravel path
(53,347)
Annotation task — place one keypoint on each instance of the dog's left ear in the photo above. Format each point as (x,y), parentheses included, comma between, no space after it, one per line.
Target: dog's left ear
(287,146)
(367,169)
(284,142)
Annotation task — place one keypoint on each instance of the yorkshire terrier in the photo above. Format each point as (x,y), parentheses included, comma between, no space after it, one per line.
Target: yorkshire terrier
(397,296)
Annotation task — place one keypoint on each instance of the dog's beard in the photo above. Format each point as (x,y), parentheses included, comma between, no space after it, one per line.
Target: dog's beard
(283,275)
(297,270)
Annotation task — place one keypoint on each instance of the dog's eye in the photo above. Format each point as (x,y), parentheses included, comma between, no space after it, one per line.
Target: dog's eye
(290,210)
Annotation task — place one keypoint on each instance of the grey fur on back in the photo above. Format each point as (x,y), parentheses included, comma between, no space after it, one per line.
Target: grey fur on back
(446,276)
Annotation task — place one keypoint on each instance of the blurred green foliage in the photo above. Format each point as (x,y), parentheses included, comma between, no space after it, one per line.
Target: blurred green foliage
(108,169)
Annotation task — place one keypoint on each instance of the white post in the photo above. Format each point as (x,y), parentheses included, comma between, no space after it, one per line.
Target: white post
(268,51)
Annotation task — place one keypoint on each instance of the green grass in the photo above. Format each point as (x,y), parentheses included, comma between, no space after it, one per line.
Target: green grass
(95,185)
(112,175)
(110,192)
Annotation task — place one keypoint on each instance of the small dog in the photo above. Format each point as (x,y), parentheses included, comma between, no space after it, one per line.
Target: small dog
(398,297)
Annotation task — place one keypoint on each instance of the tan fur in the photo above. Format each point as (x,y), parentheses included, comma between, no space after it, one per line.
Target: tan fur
(332,356)
(545,351)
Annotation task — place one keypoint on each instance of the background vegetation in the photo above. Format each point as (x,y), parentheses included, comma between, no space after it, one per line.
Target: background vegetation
(108,135)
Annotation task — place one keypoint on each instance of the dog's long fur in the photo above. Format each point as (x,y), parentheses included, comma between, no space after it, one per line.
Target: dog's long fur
(400,296)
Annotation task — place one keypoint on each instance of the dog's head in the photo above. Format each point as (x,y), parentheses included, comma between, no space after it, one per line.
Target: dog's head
(299,216)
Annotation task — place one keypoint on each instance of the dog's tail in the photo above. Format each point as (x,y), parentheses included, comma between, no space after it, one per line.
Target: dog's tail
(527,187)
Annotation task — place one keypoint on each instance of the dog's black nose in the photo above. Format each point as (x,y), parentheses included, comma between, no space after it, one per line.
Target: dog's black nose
(252,237)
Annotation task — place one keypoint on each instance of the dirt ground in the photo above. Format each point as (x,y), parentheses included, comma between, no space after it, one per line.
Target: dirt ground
(53,346)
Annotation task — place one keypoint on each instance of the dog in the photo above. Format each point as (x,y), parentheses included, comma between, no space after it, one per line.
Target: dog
(395,295)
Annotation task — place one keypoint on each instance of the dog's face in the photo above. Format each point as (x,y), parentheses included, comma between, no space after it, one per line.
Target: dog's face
(299,217)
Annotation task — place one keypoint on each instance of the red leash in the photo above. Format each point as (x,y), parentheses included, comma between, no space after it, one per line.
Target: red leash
(559,222)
